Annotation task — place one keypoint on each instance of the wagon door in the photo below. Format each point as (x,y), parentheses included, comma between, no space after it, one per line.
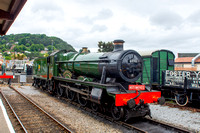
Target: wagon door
(155,70)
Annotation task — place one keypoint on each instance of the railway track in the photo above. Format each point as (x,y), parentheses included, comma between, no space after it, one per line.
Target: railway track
(144,125)
(27,116)
(137,125)
(140,125)
(187,107)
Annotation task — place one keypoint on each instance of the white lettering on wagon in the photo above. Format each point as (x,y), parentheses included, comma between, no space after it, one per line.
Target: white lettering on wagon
(177,78)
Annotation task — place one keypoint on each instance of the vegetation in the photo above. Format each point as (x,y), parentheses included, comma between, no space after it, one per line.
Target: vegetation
(33,44)
(105,47)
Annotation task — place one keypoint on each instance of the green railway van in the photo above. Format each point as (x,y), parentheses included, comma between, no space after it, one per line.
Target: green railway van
(154,63)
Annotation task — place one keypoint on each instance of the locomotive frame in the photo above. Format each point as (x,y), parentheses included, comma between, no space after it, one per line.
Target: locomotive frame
(105,80)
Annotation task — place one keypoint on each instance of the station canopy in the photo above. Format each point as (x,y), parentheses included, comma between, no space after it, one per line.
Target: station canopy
(9,9)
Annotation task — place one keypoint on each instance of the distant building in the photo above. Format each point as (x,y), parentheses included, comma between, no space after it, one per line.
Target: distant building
(44,52)
(12,47)
(184,62)
(27,52)
(1,57)
(8,52)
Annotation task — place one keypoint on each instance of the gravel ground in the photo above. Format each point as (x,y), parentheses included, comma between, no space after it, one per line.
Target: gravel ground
(182,118)
(75,119)
(82,122)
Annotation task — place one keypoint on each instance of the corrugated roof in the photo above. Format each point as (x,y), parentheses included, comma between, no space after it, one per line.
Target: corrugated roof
(9,9)
(180,55)
(186,59)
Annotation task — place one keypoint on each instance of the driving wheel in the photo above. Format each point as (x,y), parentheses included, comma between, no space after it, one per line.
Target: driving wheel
(117,112)
(82,99)
(94,106)
(70,94)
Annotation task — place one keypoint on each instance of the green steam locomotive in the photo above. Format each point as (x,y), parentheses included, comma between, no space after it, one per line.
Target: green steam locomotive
(105,81)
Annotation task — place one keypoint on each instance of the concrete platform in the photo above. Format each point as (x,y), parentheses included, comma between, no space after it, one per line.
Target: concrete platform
(5,124)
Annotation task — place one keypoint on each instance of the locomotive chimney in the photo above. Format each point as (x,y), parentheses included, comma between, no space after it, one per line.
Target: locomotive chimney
(85,49)
(118,45)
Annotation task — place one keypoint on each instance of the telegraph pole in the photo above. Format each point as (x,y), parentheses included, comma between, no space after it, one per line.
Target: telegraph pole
(52,45)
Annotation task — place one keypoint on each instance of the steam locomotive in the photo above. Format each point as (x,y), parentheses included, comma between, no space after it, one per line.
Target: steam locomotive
(104,81)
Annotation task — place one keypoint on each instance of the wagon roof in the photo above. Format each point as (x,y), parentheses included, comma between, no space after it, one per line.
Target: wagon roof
(150,52)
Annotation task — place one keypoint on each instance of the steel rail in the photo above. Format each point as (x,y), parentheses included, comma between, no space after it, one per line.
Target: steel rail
(59,123)
(163,124)
(126,125)
(129,126)
(16,116)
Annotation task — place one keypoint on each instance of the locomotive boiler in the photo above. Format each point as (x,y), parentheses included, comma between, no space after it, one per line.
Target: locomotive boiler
(123,65)
(106,81)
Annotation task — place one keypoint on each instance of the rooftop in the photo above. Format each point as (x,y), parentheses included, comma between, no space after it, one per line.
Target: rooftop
(185,60)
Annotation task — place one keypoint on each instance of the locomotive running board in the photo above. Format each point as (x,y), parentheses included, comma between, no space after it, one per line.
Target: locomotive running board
(86,83)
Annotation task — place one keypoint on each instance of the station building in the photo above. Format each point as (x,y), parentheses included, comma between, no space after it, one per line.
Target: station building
(188,62)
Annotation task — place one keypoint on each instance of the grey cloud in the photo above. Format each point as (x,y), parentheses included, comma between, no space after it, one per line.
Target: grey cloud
(98,28)
(48,11)
(166,19)
(102,15)
(194,18)
(86,20)
(45,6)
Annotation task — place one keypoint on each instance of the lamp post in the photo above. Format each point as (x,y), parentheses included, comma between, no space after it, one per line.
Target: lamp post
(52,45)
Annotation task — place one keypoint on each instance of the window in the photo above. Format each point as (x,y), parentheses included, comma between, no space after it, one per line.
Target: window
(170,62)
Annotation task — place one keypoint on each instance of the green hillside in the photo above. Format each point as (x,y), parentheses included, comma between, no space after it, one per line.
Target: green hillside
(33,43)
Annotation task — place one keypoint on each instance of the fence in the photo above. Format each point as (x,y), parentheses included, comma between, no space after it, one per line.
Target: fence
(16,79)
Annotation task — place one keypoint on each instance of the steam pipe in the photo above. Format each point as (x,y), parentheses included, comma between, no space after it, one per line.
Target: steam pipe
(193,60)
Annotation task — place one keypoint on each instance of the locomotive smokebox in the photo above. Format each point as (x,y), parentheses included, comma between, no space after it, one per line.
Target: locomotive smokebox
(118,45)
(124,65)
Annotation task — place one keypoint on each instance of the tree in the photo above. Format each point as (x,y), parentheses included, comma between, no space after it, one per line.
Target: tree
(105,47)
(7,57)
(27,45)
(20,56)
(50,47)
(46,55)
(22,41)
(16,48)
(4,49)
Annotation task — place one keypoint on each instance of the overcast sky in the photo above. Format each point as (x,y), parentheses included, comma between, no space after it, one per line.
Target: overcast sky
(142,24)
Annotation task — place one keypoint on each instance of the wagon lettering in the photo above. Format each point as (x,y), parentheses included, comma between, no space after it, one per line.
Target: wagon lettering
(177,78)
(197,74)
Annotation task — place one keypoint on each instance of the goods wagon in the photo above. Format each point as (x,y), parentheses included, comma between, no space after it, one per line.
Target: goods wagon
(155,62)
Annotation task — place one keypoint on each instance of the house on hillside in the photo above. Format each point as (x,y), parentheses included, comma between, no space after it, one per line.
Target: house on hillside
(1,56)
(44,52)
(8,52)
(188,62)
